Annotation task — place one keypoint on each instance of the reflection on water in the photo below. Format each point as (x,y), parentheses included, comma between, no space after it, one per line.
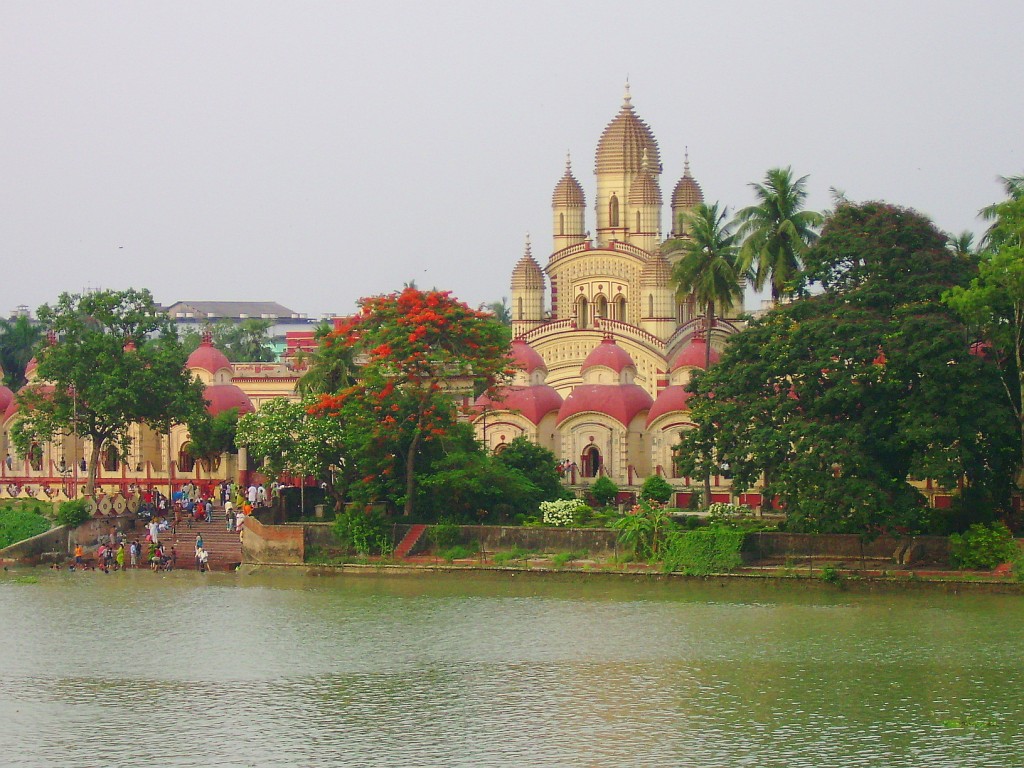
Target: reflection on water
(494,670)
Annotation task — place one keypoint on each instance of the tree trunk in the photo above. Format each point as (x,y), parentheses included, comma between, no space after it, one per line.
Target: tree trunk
(410,473)
(94,465)
(708,320)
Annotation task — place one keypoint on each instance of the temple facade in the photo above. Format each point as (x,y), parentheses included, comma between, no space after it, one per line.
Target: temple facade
(604,344)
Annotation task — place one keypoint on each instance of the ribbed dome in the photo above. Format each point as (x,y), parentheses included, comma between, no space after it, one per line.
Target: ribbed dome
(645,190)
(532,403)
(670,399)
(620,401)
(221,397)
(656,272)
(526,357)
(622,145)
(208,358)
(528,273)
(610,355)
(31,367)
(692,356)
(568,192)
(687,193)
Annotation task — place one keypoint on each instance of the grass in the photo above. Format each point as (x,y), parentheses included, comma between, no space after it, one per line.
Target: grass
(562,559)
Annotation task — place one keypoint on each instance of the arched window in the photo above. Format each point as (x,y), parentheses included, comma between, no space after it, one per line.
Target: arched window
(582,320)
(590,461)
(499,448)
(601,307)
(613,211)
(185,461)
(620,308)
(637,222)
(650,305)
(520,308)
(561,223)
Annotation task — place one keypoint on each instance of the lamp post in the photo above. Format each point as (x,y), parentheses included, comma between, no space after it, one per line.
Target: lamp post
(74,441)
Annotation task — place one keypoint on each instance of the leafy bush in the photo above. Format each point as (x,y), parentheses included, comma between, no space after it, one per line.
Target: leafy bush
(20,524)
(642,528)
(714,549)
(564,512)
(458,552)
(73,513)
(983,546)
(656,488)
(736,516)
(564,558)
(361,531)
(516,553)
(831,575)
(444,533)
(604,490)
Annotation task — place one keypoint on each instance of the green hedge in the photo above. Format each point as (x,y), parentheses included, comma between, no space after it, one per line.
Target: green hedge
(703,551)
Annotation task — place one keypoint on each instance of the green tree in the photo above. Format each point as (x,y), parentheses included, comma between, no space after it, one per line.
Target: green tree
(837,398)
(422,348)
(501,310)
(993,303)
(211,436)
(604,490)
(19,338)
(656,488)
(329,368)
(776,231)
(291,437)
(116,362)
(1003,231)
(538,465)
(708,270)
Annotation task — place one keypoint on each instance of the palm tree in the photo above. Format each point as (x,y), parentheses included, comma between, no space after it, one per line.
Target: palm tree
(18,340)
(776,231)
(962,244)
(330,367)
(995,235)
(708,270)
(501,310)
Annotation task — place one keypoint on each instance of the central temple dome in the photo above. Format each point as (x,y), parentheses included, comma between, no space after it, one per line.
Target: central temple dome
(622,145)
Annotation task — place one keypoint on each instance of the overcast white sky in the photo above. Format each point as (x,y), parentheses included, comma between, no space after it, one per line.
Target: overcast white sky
(312,153)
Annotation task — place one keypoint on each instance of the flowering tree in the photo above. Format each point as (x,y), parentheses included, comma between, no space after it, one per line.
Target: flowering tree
(422,349)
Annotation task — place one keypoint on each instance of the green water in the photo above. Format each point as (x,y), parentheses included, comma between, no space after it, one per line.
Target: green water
(181,669)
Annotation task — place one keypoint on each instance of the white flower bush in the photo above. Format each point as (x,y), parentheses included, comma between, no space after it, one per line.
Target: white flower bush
(563,512)
(721,509)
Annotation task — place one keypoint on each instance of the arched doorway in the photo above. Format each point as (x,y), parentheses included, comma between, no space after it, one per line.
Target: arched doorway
(590,461)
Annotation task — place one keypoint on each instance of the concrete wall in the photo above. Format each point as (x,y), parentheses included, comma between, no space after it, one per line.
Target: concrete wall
(29,550)
(494,538)
(272,543)
(905,550)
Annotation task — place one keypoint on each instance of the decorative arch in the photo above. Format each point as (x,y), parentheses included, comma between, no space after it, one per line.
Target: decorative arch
(520,308)
(637,222)
(110,458)
(613,211)
(186,462)
(600,307)
(582,312)
(620,308)
(561,223)
(35,457)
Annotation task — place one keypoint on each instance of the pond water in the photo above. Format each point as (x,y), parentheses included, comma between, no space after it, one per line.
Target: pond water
(285,669)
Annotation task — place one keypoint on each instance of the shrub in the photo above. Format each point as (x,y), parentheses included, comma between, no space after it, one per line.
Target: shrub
(20,524)
(641,529)
(361,531)
(703,551)
(458,552)
(563,513)
(604,490)
(983,546)
(656,488)
(564,558)
(444,533)
(73,513)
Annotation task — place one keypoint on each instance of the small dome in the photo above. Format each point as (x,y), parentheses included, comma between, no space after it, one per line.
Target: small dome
(528,274)
(687,193)
(656,272)
(620,401)
(568,192)
(692,355)
(622,145)
(208,357)
(6,398)
(670,399)
(526,357)
(31,367)
(14,406)
(532,403)
(644,190)
(610,355)
(222,397)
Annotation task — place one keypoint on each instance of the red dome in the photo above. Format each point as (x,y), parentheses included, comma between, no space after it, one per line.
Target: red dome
(222,397)
(14,405)
(533,403)
(670,399)
(526,357)
(208,357)
(692,356)
(6,398)
(31,367)
(610,355)
(620,401)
